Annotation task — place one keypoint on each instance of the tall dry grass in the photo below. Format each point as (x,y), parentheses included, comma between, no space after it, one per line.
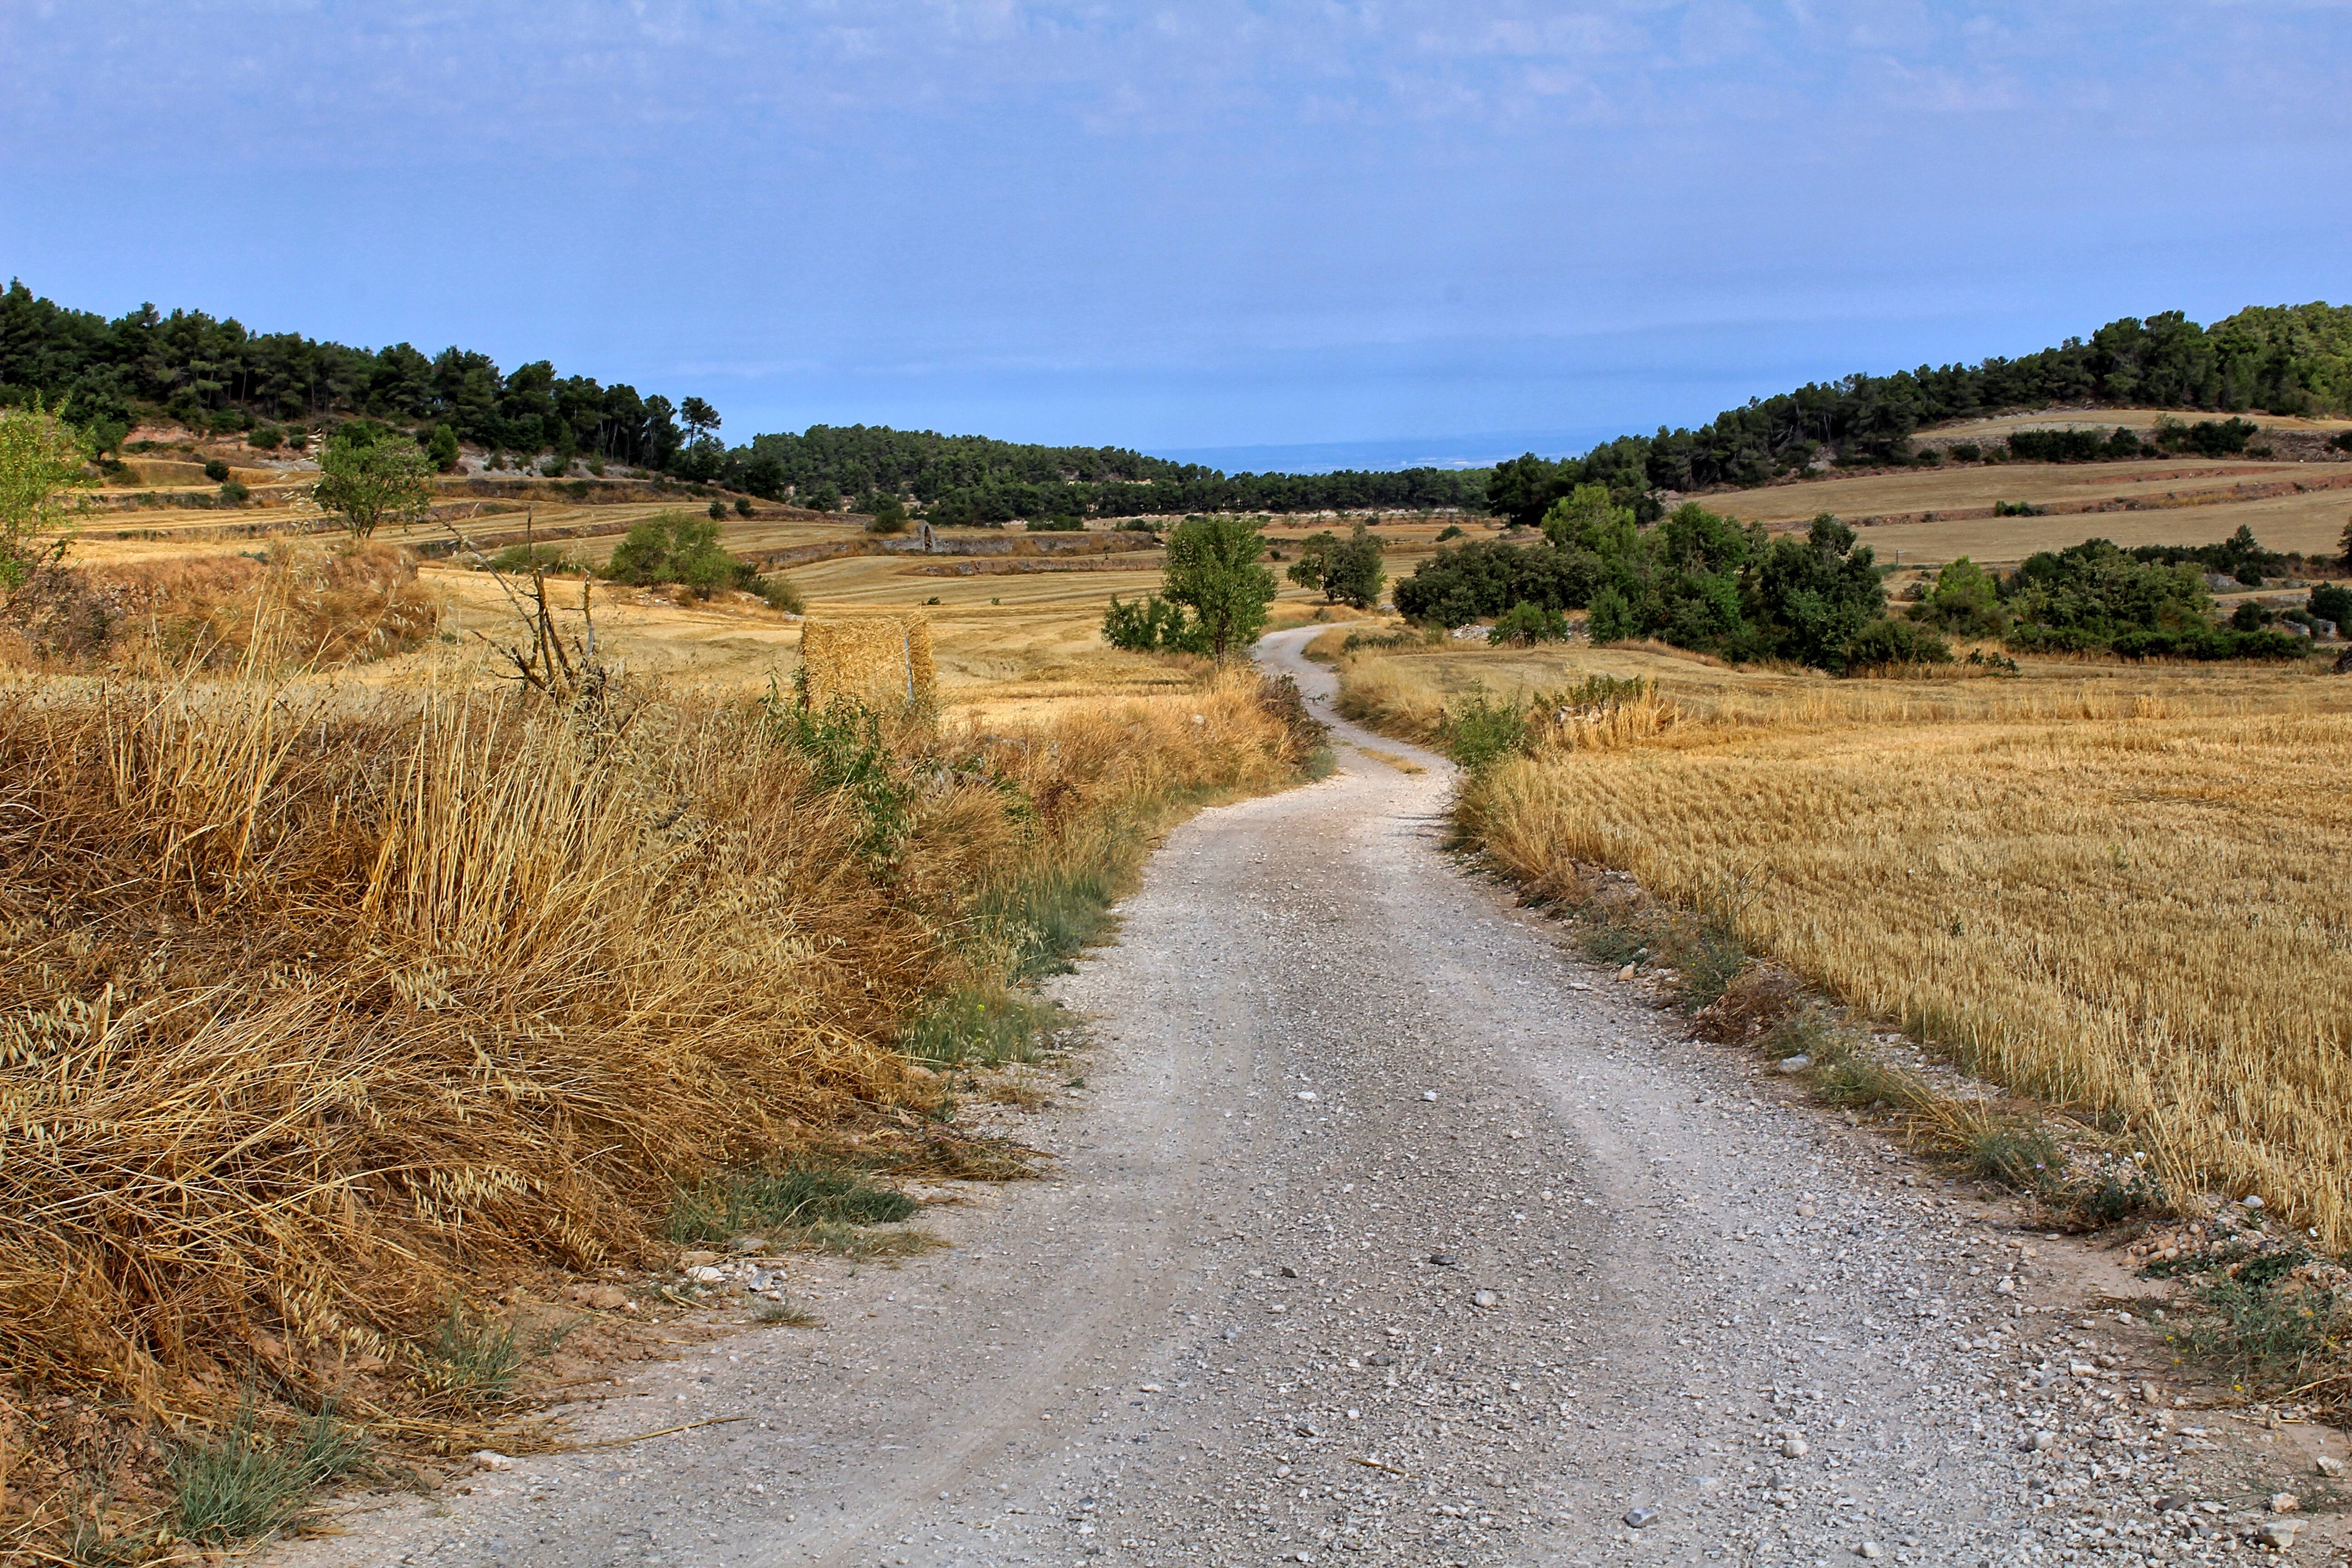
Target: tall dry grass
(319,1004)
(2128,896)
(302,605)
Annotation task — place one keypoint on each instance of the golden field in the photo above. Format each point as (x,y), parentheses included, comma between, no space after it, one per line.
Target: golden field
(2117,888)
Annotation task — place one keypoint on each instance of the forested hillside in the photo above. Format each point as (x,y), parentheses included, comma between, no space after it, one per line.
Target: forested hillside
(973,480)
(2282,359)
(215,374)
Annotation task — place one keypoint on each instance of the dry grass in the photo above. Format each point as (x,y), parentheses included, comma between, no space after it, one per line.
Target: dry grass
(2123,894)
(322,1004)
(304,604)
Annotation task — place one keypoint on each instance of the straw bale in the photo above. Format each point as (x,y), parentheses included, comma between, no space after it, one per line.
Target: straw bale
(881,660)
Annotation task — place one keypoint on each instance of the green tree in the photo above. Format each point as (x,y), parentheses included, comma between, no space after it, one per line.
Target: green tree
(40,459)
(1965,601)
(1212,570)
(699,417)
(370,478)
(442,448)
(1808,598)
(1587,518)
(1349,571)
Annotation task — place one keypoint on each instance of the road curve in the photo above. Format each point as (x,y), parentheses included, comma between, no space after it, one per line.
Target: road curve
(1384,1231)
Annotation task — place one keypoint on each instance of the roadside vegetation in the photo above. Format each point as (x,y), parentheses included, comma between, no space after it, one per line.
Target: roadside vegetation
(334,1008)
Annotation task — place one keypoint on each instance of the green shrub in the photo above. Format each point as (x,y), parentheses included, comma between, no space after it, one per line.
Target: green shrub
(216,470)
(2266,1331)
(472,1361)
(672,547)
(1481,732)
(1884,643)
(1967,452)
(233,493)
(1611,618)
(2018,1155)
(781,593)
(517,559)
(1062,523)
(1527,625)
(990,1025)
(267,438)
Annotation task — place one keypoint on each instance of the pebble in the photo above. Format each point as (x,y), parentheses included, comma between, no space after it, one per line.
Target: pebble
(2278,1533)
(1626,973)
(1443,1260)
(2250,1201)
(1484,1299)
(1871,1550)
(1430,1095)
(2285,1502)
(2328,1465)
(1797,1063)
(1640,1517)
(704,1274)
(1794,1448)
(491,1459)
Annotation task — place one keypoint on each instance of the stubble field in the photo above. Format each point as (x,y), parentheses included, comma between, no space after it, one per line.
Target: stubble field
(2113,888)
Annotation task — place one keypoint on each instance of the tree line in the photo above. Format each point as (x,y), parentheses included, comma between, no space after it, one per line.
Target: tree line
(215,374)
(2283,360)
(971,480)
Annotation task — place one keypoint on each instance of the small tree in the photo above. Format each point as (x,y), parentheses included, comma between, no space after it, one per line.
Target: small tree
(699,417)
(1348,571)
(40,459)
(1212,570)
(368,479)
(441,448)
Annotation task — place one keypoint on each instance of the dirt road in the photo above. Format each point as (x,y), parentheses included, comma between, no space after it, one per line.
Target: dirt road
(1386,1232)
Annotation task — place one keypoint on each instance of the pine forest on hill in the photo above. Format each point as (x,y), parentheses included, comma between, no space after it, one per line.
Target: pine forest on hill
(216,375)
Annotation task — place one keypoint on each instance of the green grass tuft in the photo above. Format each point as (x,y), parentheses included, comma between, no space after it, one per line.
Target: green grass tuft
(240,1486)
(798,1202)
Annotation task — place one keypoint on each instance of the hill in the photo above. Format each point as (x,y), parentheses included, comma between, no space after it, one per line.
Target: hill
(2287,360)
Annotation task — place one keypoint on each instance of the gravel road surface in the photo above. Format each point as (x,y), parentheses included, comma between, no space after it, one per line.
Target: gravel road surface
(1386,1231)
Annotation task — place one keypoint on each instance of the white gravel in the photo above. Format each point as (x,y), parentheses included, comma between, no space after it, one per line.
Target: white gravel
(1387,1232)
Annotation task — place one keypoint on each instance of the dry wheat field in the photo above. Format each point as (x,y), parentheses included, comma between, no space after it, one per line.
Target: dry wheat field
(2117,888)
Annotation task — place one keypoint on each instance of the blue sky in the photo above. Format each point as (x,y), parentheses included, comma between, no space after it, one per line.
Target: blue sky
(1210,225)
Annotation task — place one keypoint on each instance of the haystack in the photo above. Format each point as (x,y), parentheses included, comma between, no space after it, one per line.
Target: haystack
(881,660)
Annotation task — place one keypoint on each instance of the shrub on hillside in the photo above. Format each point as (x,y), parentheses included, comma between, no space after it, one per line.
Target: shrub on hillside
(1527,625)
(674,547)
(1884,642)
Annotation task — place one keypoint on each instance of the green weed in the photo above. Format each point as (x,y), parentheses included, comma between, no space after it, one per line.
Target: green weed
(982,1025)
(2264,1333)
(795,1200)
(240,1485)
(783,1315)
